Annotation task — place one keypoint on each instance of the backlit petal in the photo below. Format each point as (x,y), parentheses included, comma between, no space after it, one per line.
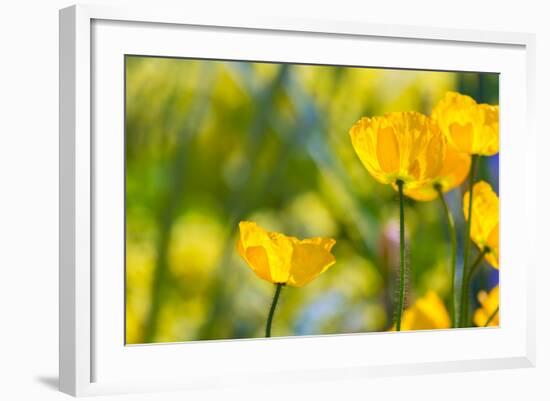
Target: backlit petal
(485,219)
(462,136)
(488,137)
(310,258)
(363,138)
(278,258)
(406,146)
(456,167)
(469,127)
(388,150)
(268,254)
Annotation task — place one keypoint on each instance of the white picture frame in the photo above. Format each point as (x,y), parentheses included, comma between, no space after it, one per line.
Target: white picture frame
(93,358)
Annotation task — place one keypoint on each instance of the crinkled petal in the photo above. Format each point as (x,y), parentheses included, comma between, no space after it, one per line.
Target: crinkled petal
(406,146)
(364,140)
(388,150)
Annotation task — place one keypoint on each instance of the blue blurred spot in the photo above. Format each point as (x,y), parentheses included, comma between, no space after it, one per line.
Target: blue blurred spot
(493,163)
(315,313)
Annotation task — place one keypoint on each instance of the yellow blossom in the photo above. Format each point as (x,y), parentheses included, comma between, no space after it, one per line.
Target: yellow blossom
(455,169)
(428,312)
(489,304)
(406,146)
(469,127)
(485,220)
(281,259)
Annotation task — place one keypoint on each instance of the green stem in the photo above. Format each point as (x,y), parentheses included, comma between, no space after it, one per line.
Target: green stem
(452,234)
(491,317)
(401,255)
(278,288)
(476,264)
(465,306)
(467,239)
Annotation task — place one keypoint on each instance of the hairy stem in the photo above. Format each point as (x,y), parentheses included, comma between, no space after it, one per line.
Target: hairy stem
(452,234)
(467,240)
(465,307)
(401,300)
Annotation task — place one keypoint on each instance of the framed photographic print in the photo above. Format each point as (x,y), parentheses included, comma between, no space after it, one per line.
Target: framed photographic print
(259,199)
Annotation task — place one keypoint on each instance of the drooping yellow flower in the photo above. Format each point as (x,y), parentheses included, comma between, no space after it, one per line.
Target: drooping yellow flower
(406,146)
(469,127)
(455,169)
(428,312)
(489,305)
(485,220)
(281,259)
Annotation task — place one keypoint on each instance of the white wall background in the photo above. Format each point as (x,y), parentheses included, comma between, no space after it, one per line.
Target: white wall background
(29,197)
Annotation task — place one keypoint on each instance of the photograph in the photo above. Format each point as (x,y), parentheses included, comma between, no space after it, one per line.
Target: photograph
(276,199)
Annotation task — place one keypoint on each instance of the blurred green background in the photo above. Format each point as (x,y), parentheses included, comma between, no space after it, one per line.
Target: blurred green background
(210,143)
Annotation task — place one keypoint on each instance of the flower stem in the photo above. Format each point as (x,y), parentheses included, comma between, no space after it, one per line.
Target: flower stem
(467,240)
(278,288)
(476,264)
(491,317)
(465,306)
(401,301)
(452,234)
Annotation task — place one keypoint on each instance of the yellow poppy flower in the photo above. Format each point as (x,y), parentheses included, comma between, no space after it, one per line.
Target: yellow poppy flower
(489,305)
(470,127)
(455,169)
(485,220)
(281,259)
(428,312)
(406,146)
